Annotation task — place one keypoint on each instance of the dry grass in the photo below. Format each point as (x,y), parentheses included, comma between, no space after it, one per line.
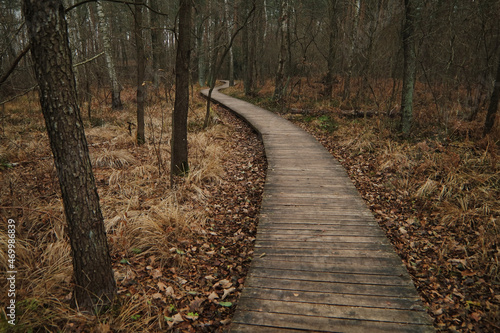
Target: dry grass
(144,217)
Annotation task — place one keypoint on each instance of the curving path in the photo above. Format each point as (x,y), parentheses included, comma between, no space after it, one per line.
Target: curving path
(321,262)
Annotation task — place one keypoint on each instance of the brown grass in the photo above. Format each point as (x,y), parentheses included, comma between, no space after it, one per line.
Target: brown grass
(144,217)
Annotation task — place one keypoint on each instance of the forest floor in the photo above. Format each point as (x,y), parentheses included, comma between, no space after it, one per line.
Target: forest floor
(436,195)
(181,254)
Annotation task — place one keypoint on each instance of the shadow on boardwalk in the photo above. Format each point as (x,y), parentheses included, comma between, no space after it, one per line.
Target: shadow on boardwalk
(321,262)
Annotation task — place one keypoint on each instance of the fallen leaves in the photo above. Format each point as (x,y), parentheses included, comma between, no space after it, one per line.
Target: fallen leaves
(198,291)
(436,204)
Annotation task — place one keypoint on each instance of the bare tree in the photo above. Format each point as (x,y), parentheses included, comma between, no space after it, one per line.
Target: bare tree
(284,19)
(229,27)
(354,38)
(179,159)
(332,22)
(141,69)
(94,279)
(409,67)
(493,108)
(116,102)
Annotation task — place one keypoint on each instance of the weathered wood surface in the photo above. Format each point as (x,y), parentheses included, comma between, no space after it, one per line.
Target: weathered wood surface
(321,262)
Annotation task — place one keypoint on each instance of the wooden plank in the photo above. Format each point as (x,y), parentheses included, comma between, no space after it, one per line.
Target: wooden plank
(321,246)
(401,316)
(313,276)
(320,324)
(342,265)
(373,301)
(273,252)
(354,288)
(324,230)
(323,239)
(244,328)
(271,217)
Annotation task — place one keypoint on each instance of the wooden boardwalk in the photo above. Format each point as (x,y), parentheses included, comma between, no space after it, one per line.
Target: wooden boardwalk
(321,262)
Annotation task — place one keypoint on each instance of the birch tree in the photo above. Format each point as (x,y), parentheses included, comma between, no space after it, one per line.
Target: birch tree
(141,69)
(409,67)
(229,28)
(104,32)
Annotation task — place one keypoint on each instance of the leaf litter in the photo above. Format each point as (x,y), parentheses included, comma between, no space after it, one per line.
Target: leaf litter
(180,255)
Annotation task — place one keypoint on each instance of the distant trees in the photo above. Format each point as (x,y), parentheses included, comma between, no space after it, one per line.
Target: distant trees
(356,49)
(94,279)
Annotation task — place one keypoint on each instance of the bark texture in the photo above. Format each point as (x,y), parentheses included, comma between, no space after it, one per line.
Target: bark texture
(409,67)
(179,160)
(279,87)
(116,102)
(94,280)
(141,70)
(493,108)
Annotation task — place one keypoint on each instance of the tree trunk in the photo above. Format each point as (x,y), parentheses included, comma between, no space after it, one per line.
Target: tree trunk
(229,27)
(279,86)
(179,159)
(74,39)
(200,52)
(492,109)
(156,44)
(409,68)
(354,38)
(141,67)
(116,102)
(332,9)
(94,280)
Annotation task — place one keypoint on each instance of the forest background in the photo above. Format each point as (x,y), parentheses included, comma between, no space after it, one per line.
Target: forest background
(337,67)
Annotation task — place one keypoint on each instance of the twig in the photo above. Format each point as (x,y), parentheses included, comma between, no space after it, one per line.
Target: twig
(14,64)
(19,95)
(88,60)
(116,1)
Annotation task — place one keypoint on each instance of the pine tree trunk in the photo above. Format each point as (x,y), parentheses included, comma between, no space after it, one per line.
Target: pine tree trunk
(179,158)
(409,68)
(493,108)
(141,68)
(116,102)
(94,280)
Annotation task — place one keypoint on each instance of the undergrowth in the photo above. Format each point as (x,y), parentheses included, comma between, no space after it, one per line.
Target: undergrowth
(151,227)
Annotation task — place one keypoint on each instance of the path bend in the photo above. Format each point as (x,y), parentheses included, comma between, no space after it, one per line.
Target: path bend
(321,261)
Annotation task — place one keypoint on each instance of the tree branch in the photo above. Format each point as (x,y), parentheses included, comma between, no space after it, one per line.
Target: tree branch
(115,1)
(14,64)
(88,60)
